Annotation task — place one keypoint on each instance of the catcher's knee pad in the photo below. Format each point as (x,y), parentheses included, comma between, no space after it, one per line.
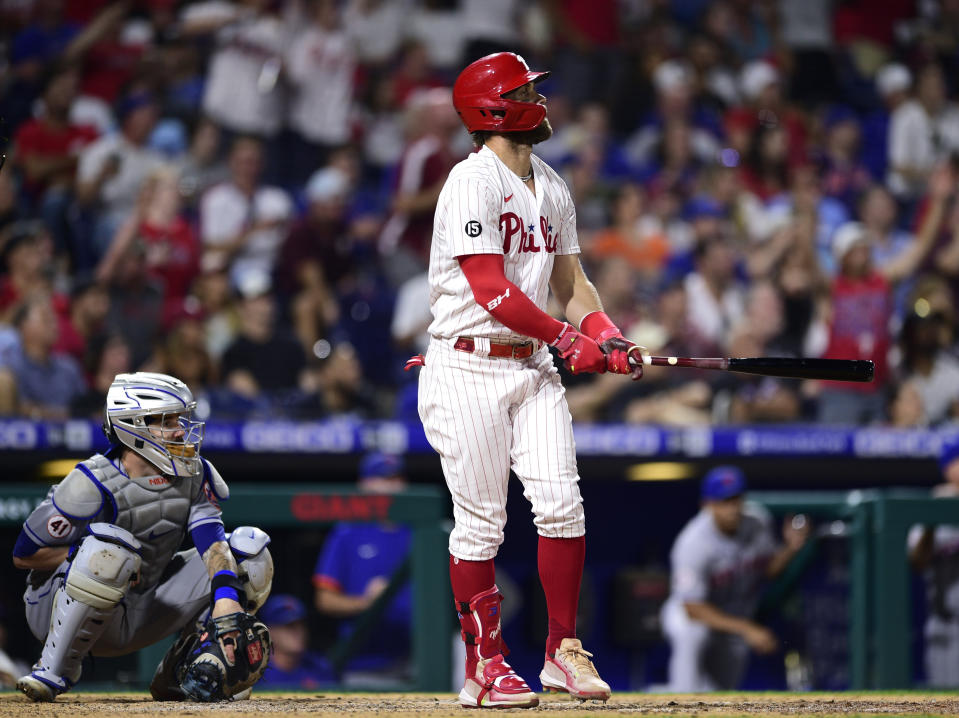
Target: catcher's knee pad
(103,566)
(98,579)
(254,564)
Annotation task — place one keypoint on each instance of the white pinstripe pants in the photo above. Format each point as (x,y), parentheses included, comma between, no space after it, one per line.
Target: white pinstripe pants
(484,416)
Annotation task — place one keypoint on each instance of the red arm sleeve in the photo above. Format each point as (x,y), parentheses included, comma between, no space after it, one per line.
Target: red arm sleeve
(504,300)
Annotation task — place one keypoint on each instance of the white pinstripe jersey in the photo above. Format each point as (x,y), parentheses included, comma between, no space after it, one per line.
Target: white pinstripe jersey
(484,208)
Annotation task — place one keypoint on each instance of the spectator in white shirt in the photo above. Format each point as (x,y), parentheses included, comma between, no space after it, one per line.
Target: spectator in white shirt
(928,365)
(922,132)
(491,26)
(441,28)
(320,66)
(715,300)
(376,28)
(243,92)
(112,169)
(243,222)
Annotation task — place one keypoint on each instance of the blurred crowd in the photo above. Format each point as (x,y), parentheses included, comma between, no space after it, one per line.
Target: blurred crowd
(241,193)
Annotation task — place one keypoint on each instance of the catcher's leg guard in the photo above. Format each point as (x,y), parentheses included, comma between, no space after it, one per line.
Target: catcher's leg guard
(490,681)
(96,582)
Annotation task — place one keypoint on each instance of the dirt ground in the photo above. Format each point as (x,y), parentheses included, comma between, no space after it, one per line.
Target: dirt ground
(91,705)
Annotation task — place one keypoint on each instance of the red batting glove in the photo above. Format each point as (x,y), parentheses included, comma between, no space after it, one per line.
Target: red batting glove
(617,350)
(581,354)
(613,344)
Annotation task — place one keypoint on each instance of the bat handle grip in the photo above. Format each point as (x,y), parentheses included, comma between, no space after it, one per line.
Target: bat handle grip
(643,358)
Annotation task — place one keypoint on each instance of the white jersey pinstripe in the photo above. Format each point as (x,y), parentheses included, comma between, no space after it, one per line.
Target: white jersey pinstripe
(484,208)
(485,416)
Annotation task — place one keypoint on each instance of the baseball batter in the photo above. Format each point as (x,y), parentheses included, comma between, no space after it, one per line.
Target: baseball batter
(105,574)
(504,234)
(719,561)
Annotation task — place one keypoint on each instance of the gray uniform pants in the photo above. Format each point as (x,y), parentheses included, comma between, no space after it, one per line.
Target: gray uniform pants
(702,659)
(141,619)
(942,652)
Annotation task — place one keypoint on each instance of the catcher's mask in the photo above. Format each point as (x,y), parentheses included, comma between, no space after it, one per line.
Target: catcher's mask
(153,415)
(479,89)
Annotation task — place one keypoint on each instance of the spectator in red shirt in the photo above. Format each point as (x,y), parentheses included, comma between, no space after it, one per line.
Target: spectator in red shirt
(89,304)
(109,61)
(426,162)
(587,35)
(413,74)
(171,248)
(764,104)
(47,146)
(46,149)
(859,329)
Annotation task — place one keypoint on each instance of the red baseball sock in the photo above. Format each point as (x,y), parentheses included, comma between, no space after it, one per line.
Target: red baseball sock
(469,578)
(561,571)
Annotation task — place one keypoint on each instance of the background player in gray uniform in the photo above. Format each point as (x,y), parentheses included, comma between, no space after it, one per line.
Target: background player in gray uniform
(719,561)
(108,535)
(934,550)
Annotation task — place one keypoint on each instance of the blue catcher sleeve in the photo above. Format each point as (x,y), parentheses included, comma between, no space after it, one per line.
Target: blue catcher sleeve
(25,546)
(205,535)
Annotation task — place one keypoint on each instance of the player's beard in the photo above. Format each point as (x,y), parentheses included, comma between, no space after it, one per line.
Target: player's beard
(542,132)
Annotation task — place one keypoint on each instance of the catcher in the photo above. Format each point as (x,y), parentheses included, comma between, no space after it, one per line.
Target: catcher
(106,577)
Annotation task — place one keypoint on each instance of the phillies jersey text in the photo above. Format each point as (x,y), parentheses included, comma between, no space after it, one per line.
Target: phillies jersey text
(484,208)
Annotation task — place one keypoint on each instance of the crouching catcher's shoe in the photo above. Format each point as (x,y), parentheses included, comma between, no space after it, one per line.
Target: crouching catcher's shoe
(496,685)
(569,670)
(42,686)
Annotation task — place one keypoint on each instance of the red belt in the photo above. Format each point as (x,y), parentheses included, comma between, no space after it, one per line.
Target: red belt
(501,351)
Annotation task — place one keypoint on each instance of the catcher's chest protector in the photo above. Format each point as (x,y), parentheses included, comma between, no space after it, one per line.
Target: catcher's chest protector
(155,513)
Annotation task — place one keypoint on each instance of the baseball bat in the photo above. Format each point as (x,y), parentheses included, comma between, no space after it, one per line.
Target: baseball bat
(793,368)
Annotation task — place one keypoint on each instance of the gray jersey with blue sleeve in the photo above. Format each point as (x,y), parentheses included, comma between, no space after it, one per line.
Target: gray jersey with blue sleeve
(726,571)
(157,510)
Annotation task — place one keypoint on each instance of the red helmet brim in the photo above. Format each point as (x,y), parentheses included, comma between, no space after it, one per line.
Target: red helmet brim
(521,80)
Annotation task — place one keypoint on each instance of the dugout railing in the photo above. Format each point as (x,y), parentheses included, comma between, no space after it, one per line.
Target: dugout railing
(877,523)
(422,508)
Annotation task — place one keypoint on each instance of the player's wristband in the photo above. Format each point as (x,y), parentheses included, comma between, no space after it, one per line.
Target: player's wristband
(225,584)
(599,327)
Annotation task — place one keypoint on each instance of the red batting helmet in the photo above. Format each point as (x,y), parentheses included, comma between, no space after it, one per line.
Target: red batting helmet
(479,89)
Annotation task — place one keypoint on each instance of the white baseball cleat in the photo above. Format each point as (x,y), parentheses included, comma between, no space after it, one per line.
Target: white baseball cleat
(496,685)
(569,670)
(42,686)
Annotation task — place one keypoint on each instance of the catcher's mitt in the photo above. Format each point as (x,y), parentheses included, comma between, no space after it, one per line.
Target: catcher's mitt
(208,673)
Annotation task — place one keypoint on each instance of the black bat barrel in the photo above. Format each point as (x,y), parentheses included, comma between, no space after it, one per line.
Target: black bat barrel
(835,369)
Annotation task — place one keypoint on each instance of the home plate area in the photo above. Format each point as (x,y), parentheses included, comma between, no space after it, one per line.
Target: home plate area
(82,705)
